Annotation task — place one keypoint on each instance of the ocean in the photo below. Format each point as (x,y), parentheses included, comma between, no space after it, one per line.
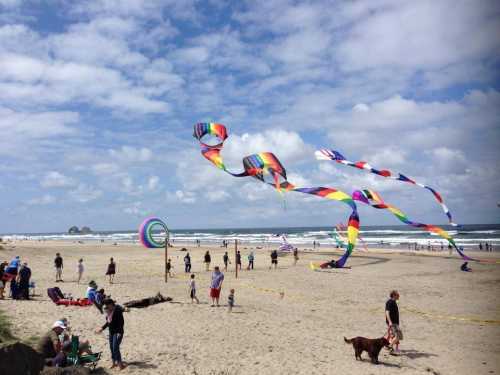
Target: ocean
(467,236)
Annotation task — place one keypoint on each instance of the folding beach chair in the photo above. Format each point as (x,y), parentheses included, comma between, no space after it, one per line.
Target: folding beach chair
(75,359)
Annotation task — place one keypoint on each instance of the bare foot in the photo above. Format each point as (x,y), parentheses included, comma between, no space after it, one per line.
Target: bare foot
(122,366)
(113,365)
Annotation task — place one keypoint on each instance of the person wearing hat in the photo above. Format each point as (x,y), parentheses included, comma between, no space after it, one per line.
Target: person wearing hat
(91,291)
(115,323)
(50,346)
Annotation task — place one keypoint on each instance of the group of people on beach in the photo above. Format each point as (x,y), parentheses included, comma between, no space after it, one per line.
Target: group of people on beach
(18,274)
(80,268)
(207,260)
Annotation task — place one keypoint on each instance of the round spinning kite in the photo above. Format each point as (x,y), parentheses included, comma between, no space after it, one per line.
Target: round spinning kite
(146,233)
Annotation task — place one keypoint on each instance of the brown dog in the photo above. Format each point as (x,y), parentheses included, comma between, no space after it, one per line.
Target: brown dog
(372,346)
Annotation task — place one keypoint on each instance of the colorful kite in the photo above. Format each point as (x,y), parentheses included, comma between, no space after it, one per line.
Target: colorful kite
(266,163)
(146,232)
(325,154)
(262,164)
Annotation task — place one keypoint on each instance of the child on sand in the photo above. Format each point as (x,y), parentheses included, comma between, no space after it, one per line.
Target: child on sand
(80,270)
(192,290)
(230,300)
(111,270)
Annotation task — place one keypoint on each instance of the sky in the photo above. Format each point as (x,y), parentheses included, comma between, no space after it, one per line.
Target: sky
(98,100)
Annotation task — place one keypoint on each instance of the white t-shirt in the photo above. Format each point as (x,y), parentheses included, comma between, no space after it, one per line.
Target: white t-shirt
(80,268)
(192,285)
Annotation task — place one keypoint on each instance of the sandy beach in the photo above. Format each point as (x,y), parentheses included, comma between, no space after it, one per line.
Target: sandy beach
(286,321)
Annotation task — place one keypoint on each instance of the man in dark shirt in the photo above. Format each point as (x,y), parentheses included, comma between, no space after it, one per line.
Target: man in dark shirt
(238,260)
(58,263)
(392,320)
(274,259)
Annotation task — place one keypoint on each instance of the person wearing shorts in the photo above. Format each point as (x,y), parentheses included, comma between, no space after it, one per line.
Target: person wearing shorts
(392,321)
(58,263)
(274,259)
(216,285)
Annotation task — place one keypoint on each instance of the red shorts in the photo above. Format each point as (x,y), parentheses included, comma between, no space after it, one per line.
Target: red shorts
(214,293)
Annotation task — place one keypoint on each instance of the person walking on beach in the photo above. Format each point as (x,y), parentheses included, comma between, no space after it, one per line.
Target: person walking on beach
(216,286)
(169,267)
(58,263)
(392,321)
(274,259)
(187,263)
(111,270)
(238,260)
(115,324)
(225,258)
(80,270)
(192,290)
(207,259)
(251,258)
(295,256)
(230,300)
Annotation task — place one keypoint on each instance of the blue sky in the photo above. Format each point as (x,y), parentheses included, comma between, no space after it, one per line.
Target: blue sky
(98,100)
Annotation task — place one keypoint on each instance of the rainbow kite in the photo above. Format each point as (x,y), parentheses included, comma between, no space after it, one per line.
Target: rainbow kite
(259,165)
(325,154)
(266,163)
(146,233)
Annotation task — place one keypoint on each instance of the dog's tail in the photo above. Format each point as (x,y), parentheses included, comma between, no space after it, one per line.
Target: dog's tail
(347,341)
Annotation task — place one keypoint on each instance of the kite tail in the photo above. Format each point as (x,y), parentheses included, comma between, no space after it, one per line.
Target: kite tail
(368,196)
(325,154)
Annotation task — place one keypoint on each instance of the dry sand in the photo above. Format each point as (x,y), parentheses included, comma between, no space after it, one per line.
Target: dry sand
(301,333)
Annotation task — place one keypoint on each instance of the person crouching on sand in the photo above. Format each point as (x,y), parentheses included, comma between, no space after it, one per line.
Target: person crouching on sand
(216,286)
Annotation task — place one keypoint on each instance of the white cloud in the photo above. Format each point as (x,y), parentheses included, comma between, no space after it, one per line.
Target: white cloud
(85,193)
(128,154)
(56,179)
(180,196)
(217,196)
(42,201)
(153,182)
(105,169)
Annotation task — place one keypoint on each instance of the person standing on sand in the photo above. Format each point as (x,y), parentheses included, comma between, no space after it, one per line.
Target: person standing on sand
(392,321)
(216,286)
(238,260)
(230,300)
(23,280)
(58,263)
(274,259)
(187,263)
(169,267)
(115,324)
(192,290)
(251,258)
(207,259)
(111,270)
(80,270)
(295,256)
(225,258)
